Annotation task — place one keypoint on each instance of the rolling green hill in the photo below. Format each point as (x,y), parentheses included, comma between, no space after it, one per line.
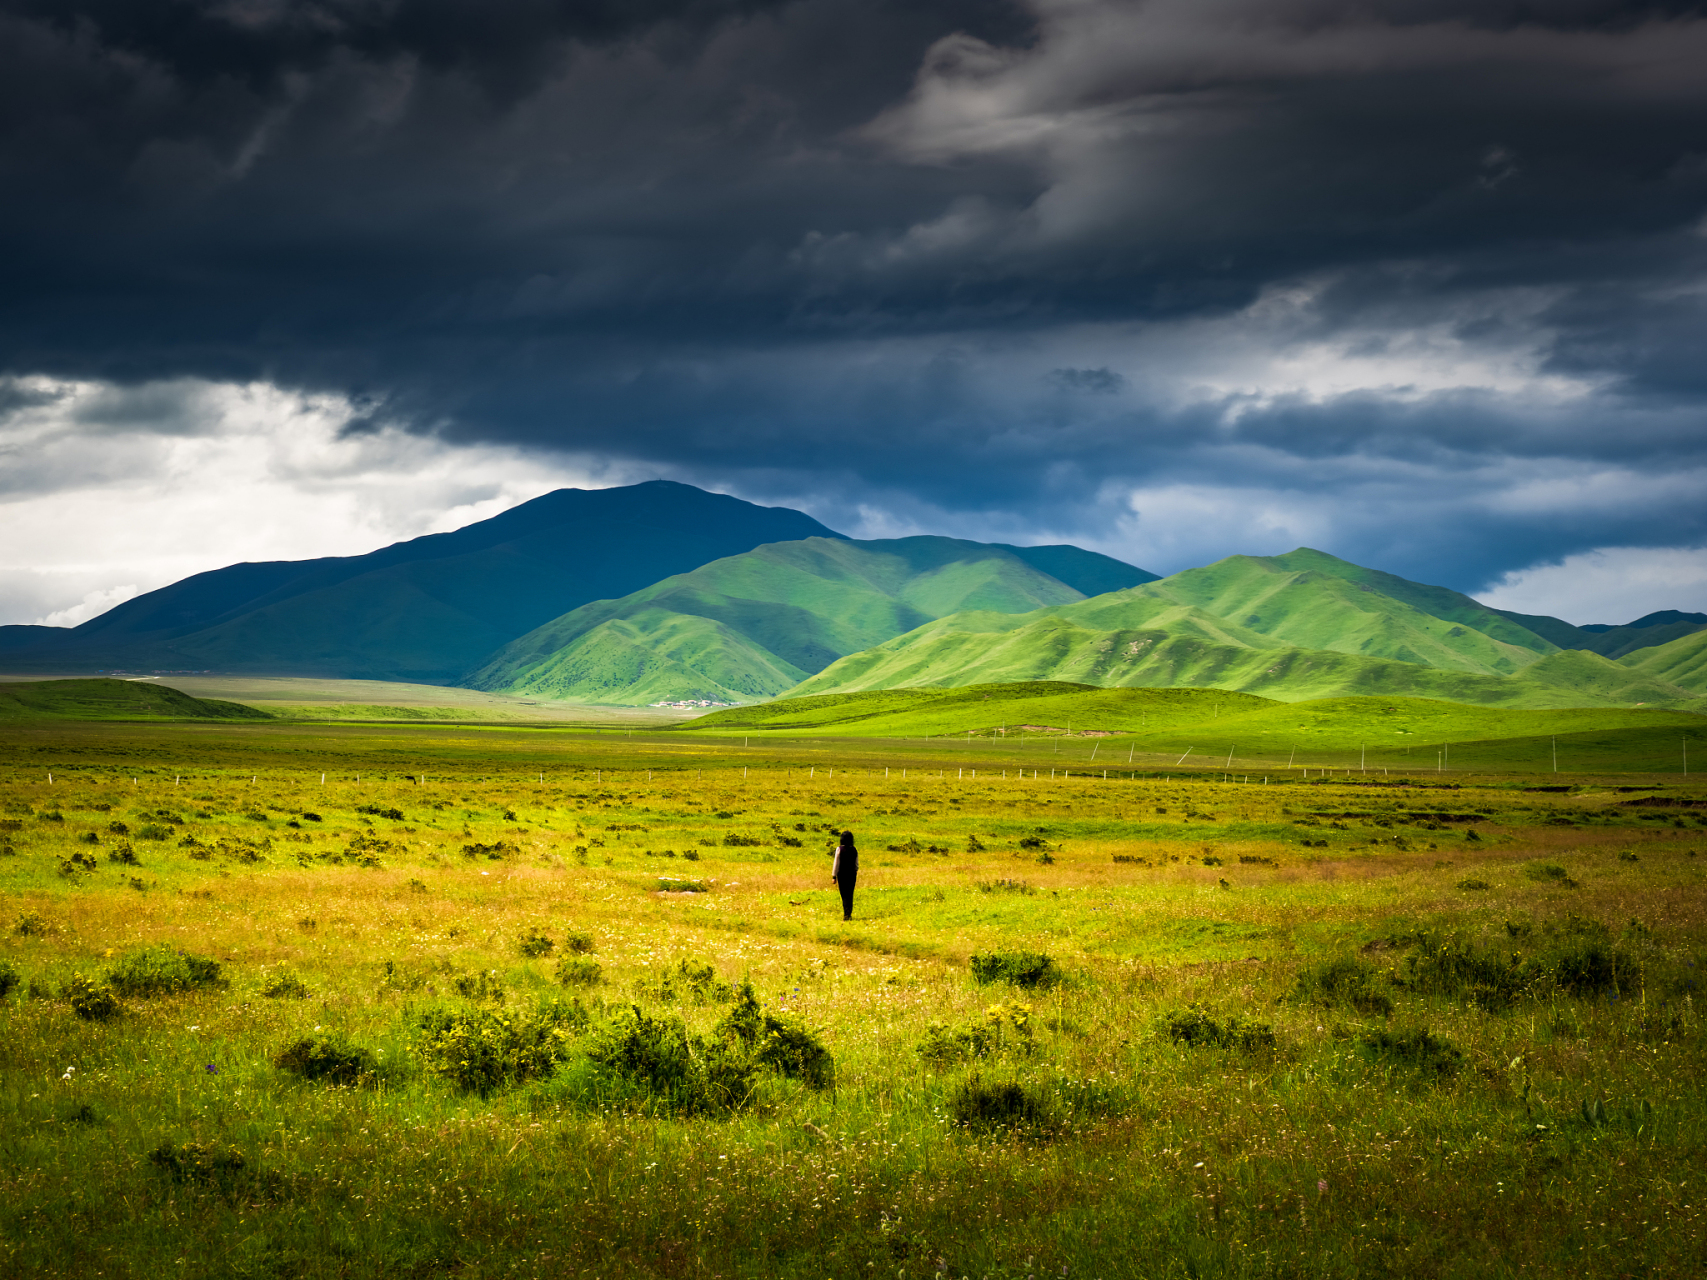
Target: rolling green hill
(47,700)
(1309,600)
(1186,650)
(751,625)
(1386,732)
(1682,662)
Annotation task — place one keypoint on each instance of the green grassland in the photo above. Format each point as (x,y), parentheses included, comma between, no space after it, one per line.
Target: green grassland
(415,999)
(1147,726)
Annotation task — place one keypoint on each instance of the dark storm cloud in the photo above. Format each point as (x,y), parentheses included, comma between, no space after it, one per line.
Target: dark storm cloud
(960,257)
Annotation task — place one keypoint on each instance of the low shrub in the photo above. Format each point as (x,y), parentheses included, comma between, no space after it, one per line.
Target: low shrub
(395,815)
(1473,886)
(1348,982)
(153,831)
(483,1050)
(1197,1030)
(162,971)
(1004,1028)
(329,1060)
(534,943)
(978,1103)
(198,1164)
(284,986)
(1018,968)
(485,985)
(1418,1049)
(9,978)
(492,852)
(1588,966)
(694,980)
(30,925)
(679,1071)
(579,971)
(90,1001)
(784,1044)
(579,942)
(1458,969)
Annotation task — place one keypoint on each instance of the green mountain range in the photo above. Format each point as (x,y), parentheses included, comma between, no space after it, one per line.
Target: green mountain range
(663,592)
(752,625)
(426,610)
(1302,625)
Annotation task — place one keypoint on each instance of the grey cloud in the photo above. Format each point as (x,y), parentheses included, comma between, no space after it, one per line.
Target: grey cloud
(981,263)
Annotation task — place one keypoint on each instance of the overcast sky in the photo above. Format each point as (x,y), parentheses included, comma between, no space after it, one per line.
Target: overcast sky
(1418,282)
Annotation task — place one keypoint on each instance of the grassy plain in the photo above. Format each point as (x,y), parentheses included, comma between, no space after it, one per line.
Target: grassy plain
(1430,1024)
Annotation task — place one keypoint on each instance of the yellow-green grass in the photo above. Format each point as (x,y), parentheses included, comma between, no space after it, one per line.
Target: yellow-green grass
(1310,1157)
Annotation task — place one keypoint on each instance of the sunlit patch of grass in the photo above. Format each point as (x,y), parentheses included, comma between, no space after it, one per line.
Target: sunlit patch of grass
(1094,1139)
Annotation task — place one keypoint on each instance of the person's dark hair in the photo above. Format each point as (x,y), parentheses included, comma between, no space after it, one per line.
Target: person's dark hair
(847,839)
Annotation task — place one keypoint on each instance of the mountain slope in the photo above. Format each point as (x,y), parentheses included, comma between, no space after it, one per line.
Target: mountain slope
(1309,599)
(430,608)
(752,625)
(1681,662)
(1189,648)
(757,623)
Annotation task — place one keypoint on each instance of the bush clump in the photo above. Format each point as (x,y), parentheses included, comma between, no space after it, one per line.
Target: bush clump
(1018,968)
(284,986)
(1419,1049)
(1458,969)
(978,1103)
(786,1045)
(163,971)
(1347,982)
(579,971)
(534,943)
(90,1000)
(580,943)
(694,980)
(483,1050)
(197,1163)
(683,1072)
(331,1061)
(9,978)
(1005,1027)
(1587,967)
(1197,1030)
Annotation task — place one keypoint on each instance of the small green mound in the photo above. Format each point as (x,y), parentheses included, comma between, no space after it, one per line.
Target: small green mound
(1004,1028)
(161,971)
(9,978)
(327,1060)
(284,986)
(1018,968)
(483,1050)
(677,1070)
(579,971)
(92,1002)
(1348,982)
(978,1103)
(1419,1050)
(784,1044)
(1197,1030)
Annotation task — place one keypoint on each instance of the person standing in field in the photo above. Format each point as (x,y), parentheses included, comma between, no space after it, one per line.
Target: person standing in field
(844,871)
